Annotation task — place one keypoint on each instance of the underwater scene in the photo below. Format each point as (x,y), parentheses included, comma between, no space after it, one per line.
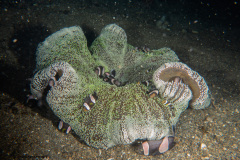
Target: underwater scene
(120,79)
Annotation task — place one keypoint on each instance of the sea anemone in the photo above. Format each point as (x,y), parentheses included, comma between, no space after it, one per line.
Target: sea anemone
(180,73)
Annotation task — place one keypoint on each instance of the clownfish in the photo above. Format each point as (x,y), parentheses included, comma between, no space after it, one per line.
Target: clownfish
(90,101)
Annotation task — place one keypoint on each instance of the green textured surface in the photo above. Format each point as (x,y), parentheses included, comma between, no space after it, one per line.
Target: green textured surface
(121,114)
(111,50)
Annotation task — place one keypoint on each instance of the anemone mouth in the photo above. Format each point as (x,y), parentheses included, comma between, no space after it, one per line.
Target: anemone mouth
(173,74)
(181,73)
(55,75)
(59,74)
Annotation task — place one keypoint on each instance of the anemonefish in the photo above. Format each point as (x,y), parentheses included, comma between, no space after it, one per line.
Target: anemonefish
(90,101)
(99,71)
(153,93)
(64,127)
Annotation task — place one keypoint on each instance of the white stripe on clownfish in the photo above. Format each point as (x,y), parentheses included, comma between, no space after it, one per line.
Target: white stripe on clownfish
(86,106)
(100,71)
(93,97)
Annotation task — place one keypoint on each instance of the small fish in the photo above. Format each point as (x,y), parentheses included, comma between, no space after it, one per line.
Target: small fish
(115,82)
(99,71)
(107,74)
(110,75)
(145,49)
(153,93)
(155,147)
(146,83)
(90,101)
(64,127)
(94,97)
(113,73)
(106,79)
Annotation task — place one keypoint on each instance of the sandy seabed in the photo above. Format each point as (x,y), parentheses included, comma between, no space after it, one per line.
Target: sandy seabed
(29,132)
